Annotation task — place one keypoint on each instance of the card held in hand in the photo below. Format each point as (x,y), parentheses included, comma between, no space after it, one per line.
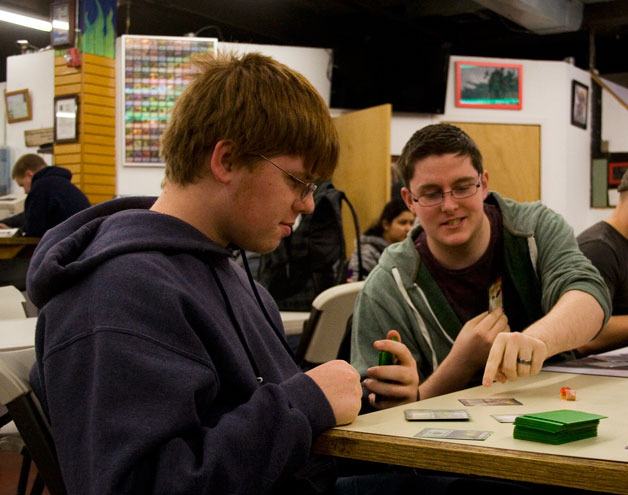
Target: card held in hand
(495,295)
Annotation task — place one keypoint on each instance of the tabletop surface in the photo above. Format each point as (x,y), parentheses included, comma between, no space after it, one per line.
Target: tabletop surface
(603,395)
(599,463)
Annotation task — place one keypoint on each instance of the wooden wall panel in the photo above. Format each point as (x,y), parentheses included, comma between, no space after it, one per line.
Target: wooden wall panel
(99,150)
(89,138)
(66,159)
(98,198)
(67,89)
(92,159)
(99,169)
(363,171)
(512,157)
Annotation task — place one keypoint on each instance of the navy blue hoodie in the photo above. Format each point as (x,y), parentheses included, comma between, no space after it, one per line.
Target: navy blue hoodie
(150,351)
(52,199)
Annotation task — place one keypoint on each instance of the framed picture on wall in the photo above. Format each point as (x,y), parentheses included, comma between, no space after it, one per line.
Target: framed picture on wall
(18,105)
(63,18)
(489,85)
(66,118)
(579,104)
(617,166)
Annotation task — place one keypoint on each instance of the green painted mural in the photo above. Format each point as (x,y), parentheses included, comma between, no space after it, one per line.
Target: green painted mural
(98,27)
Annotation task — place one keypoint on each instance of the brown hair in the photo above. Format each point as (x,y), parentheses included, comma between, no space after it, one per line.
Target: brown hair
(436,139)
(30,162)
(261,105)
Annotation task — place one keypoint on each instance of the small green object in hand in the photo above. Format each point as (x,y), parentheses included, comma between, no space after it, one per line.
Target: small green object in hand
(385,357)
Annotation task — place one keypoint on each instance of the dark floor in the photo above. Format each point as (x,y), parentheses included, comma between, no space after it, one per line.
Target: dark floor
(10,464)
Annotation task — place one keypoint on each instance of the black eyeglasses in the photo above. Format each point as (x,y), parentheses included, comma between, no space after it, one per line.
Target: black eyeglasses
(436,197)
(306,187)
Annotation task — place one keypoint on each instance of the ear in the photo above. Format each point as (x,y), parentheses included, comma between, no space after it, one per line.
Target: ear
(407,198)
(220,161)
(484,182)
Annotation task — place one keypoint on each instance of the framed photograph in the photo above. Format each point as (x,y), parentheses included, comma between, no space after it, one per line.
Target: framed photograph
(579,104)
(617,166)
(63,19)
(66,119)
(489,85)
(18,105)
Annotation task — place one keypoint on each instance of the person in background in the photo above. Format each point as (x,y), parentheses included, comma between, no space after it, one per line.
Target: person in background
(481,282)
(52,198)
(606,245)
(162,365)
(392,226)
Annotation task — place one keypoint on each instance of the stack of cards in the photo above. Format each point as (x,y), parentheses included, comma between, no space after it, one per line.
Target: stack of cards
(556,427)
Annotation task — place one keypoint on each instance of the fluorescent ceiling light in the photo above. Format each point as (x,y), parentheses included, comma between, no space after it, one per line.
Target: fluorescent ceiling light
(26,21)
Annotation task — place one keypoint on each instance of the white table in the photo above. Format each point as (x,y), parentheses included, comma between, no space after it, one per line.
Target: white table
(293,321)
(599,463)
(17,334)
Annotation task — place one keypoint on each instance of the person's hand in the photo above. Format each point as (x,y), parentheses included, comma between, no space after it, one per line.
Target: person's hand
(4,226)
(473,344)
(513,355)
(340,382)
(397,383)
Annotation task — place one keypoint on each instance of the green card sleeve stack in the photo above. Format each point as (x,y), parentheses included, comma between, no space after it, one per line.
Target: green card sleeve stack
(556,427)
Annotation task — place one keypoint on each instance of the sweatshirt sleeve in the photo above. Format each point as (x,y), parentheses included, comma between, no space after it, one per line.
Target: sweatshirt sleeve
(141,418)
(562,266)
(35,213)
(14,221)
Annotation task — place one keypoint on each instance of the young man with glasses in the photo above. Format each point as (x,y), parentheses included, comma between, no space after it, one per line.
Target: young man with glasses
(471,245)
(162,366)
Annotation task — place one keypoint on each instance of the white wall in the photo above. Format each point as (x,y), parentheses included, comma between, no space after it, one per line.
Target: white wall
(35,72)
(3,115)
(615,119)
(313,63)
(565,149)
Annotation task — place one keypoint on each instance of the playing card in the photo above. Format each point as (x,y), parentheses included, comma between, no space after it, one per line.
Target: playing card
(505,418)
(453,434)
(436,415)
(495,295)
(506,401)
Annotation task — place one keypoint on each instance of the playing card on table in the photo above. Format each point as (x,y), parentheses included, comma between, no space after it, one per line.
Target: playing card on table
(495,295)
(436,415)
(505,418)
(495,401)
(453,434)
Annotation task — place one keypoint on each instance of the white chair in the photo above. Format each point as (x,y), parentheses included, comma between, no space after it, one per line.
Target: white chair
(11,303)
(16,395)
(326,328)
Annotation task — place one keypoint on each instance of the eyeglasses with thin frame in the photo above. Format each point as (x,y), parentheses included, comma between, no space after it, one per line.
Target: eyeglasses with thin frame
(436,197)
(307,188)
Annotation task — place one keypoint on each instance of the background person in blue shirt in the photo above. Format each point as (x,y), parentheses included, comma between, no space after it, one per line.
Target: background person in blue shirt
(52,198)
